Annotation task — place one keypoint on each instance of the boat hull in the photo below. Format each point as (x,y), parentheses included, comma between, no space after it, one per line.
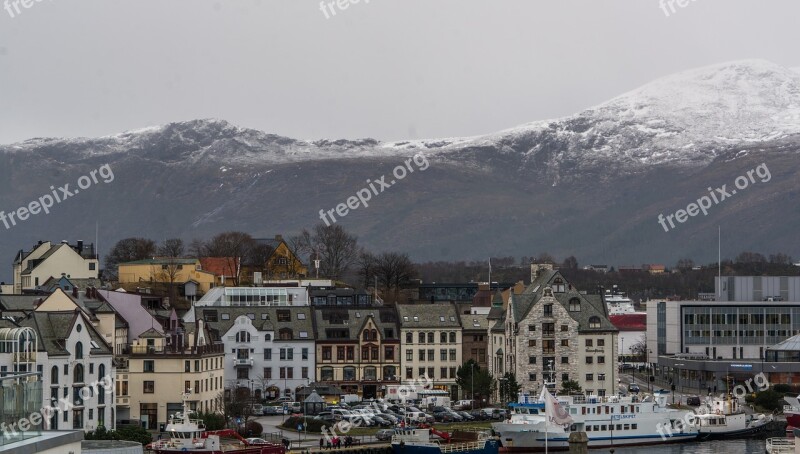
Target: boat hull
(489,447)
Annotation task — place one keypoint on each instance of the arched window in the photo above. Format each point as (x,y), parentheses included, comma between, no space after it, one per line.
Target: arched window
(374,334)
(594,322)
(575,305)
(370,373)
(349,373)
(77,374)
(326,374)
(101,391)
(421,338)
(54,375)
(452,337)
(79,350)
(243,336)
(285,334)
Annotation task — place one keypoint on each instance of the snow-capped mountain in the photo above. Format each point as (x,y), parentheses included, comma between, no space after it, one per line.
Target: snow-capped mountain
(582,184)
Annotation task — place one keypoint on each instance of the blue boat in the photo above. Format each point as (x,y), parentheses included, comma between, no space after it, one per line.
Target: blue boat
(417,440)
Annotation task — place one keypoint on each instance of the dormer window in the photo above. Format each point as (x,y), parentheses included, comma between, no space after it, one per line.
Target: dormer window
(574,305)
(558,285)
(594,322)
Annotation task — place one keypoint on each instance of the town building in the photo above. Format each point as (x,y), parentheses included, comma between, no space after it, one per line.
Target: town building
(431,342)
(697,344)
(632,331)
(269,351)
(282,262)
(757,288)
(357,347)
(165,272)
(555,333)
(45,260)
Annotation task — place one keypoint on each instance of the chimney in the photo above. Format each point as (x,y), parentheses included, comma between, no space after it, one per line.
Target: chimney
(80,246)
(75,291)
(278,237)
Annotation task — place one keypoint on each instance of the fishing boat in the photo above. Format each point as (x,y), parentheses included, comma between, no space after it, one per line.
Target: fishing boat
(190,435)
(792,411)
(725,419)
(420,440)
(607,422)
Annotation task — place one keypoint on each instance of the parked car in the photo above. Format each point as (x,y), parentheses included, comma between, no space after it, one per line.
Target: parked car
(463,404)
(273,410)
(389,417)
(478,415)
(325,416)
(283,399)
(443,416)
(256,441)
(466,416)
(257,409)
(693,401)
(384,434)
(456,417)
(416,416)
(382,421)
(633,388)
(626,366)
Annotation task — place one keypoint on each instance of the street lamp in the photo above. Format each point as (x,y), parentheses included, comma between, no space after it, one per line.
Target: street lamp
(649,370)
(472,379)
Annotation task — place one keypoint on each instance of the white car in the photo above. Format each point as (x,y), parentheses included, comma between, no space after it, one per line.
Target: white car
(256,441)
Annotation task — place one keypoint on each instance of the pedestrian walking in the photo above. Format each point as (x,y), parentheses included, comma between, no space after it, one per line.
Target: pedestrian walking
(321,443)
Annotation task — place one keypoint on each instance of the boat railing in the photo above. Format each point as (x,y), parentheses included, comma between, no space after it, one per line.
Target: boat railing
(464,446)
(777,445)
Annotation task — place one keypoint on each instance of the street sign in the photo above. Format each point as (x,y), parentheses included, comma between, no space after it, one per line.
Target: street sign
(299,427)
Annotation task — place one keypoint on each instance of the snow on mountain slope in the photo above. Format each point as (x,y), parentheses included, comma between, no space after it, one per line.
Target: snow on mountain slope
(685,118)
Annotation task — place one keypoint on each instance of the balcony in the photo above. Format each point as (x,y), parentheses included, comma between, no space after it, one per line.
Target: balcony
(548,351)
(243,362)
(548,334)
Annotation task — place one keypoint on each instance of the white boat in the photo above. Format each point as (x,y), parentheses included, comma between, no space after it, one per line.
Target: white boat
(792,411)
(607,422)
(618,303)
(724,418)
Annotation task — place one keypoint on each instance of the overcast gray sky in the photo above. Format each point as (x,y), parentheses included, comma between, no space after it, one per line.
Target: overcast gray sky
(388,69)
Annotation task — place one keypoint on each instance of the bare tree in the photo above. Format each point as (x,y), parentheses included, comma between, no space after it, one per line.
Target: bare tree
(394,270)
(172,247)
(337,249)
(367,265)
(234,247)
(197,248)
(128,250)
(570,263)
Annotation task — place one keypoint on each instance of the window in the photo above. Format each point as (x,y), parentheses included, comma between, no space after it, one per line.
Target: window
(589,377)
(267,354)
(284,316)
(149,365)
(54,375)
(564,377)
(421,355)
(388,353)
(351,353)
(267,373)
(326,353)
(421,338)
(431,354)
(565,342)
(326,374)
(409,373)
(547,310)
(601,360)
(370,373)
(242,336)
(531,360)
(441,318)
(532,328)
(304,354)
(443,372)
(601,342)
(601,377)
(564,328)
(589,342)
(365,353)
(548,346)
(558,285)
(574,305)
(303,334)
(594,322)
(285,334)
(430,373)
(443,337)
(79,350)
(304,372)
(409,355)
(430,338)
(301,316)
(242,374)
(565,360)
(532,377)
(340,353)
(452,337)
(92,266)
(409,338)
(589,360)
(149,387)
(77,374)
(287,354)
(452,354)
(531,342)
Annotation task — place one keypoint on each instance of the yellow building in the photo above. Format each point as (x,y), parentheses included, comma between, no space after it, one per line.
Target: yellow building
(161,367)
(165,271)
(282,262)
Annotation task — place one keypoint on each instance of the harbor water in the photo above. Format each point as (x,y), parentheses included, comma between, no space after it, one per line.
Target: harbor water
(747,446)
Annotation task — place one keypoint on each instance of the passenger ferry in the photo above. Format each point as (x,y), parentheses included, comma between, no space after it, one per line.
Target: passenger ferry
(725,419)
(618,303)
(607,421)
(418,440)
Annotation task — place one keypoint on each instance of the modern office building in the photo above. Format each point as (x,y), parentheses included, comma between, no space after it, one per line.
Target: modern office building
(757,288)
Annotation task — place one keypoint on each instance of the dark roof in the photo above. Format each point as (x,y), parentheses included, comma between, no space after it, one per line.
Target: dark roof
(53,328)
(163,261)
(271,323)
(353,319)
(19,302)
(591,305)
(438,315)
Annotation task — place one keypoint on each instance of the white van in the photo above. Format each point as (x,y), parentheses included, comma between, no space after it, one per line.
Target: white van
(415,416)
(463,404)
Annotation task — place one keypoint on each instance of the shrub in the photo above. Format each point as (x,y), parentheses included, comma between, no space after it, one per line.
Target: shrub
(213,421)
(251,429)
(769,400)
(782,388)
(309,424)
(137,434)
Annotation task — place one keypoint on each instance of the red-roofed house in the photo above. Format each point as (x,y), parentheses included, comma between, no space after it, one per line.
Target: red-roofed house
(632,329)
(225,269)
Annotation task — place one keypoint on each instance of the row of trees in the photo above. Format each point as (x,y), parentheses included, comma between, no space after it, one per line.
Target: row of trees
(336,251)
